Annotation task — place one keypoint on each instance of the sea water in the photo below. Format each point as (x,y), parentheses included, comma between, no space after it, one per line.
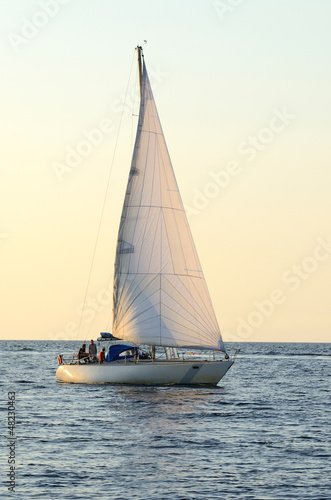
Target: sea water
(263,433)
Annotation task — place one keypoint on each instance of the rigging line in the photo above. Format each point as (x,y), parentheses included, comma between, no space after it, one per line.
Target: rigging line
(105,198)
(100,307)
(126,206)
(133,106)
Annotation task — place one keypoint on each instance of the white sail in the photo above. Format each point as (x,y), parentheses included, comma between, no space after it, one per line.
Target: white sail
(160,294)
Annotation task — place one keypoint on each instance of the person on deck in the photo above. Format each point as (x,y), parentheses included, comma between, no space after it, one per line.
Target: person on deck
(92,350)
(82,354)
(102,355)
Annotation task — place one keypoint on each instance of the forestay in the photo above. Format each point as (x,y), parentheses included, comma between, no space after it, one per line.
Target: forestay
(160,293)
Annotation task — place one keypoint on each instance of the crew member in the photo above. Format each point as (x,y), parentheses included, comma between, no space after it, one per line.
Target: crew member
(82,354)
(92,350)
(102,355)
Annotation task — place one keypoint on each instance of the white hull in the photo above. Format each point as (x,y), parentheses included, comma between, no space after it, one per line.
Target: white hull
(145,372)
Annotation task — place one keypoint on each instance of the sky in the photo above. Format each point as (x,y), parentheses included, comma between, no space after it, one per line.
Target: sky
(243,93)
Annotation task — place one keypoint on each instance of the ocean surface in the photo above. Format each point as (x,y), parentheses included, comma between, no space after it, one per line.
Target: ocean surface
(263,433)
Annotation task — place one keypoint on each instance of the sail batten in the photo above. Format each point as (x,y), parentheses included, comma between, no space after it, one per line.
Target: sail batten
(160,293)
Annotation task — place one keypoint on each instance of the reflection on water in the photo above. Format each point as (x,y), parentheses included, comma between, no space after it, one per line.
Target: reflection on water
(262,433)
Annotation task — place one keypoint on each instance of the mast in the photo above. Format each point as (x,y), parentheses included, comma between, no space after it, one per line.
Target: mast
(140,55)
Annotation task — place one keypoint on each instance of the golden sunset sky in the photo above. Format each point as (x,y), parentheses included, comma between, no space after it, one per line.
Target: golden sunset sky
(243,93)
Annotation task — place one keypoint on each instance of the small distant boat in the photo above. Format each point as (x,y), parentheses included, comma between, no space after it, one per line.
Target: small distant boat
(160,293)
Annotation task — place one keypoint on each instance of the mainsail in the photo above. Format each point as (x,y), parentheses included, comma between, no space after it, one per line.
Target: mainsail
(160,293)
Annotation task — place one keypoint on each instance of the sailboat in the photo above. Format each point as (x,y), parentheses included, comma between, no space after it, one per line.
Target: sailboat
(160,294)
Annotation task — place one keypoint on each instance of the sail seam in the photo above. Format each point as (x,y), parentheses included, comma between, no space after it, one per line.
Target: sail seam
(162,207)
(123,310)
(169,274)
(151,132)
(202,327)
(195,307)
(211,323)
